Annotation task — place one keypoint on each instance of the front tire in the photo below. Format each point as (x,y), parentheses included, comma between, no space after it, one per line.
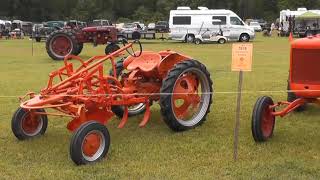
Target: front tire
(90,143)
(80,47)
(244,38)
(26,126)
(262,124)
(119,110)
(38,39)
(110,48)
(182,107)
(221,41)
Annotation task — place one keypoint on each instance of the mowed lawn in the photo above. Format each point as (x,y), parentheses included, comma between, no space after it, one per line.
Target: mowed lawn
(155,152)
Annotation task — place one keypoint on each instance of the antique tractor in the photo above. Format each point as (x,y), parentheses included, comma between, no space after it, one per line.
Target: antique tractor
(70,40)
(87,95)
(303,87)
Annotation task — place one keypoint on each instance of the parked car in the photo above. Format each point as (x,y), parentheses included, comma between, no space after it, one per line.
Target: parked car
(101,22)
(262,22)
(185,24)
(130,27)
(143,27)
(151,26)
(162,26)
(256,26)
(17,33)
(42,31)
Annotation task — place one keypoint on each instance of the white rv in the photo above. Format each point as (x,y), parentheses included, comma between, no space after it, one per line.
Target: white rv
(185,24)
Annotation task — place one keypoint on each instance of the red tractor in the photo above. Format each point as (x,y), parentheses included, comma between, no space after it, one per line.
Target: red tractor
(303,87)
(87,95)
(70,40)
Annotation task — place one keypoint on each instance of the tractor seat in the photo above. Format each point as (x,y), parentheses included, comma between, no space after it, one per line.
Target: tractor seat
(147,62)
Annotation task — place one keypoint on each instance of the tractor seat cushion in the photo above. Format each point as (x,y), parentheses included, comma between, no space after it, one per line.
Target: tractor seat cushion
(147,62)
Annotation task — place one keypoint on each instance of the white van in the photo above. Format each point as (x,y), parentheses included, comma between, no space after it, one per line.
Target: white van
(185,23)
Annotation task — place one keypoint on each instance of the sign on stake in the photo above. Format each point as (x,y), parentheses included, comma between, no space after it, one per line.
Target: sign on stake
(241,61)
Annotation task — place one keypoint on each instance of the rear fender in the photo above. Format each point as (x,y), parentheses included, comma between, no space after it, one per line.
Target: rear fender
(167,63)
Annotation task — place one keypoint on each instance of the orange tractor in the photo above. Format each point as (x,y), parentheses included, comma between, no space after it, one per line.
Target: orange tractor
(90,97)
(303,87)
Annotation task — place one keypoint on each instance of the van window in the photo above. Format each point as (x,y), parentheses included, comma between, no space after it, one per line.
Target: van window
(222,18)
(181,20)
(235,21)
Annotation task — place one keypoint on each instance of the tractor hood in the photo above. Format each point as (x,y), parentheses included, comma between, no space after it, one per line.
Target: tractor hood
(98,29)
(312,42)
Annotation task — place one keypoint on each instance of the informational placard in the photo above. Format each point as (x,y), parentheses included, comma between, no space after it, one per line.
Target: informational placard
(241,61)
(242,57)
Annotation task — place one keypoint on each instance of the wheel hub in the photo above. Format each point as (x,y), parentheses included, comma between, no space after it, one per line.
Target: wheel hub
(93,145)
(267,122)
(61,46)
(31,124)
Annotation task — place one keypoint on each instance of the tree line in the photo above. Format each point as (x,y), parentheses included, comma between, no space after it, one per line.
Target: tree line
(139,10)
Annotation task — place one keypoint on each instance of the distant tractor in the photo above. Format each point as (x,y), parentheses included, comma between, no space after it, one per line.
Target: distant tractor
(70,40)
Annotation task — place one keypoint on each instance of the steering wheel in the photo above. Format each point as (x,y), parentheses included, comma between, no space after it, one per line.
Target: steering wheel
(132,52)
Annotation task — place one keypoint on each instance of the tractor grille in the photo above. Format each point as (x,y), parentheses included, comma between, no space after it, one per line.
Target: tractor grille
(306,66)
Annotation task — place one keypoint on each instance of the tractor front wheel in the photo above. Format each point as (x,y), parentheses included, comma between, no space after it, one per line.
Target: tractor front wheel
(80,47)
(90,143)
(186,95)
(263,121)
(110,48)
(119,110)
(26,124)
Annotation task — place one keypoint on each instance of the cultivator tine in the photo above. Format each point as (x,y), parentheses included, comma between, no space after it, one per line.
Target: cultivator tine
(146,116)
(124,118)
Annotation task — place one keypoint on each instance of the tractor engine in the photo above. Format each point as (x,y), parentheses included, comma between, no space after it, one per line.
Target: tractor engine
(98,35)
(305,65)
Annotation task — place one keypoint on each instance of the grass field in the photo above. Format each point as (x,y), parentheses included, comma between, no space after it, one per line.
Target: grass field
(155,152)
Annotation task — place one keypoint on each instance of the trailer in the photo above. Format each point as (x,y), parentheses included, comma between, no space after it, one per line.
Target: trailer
(137,35)
(302,22)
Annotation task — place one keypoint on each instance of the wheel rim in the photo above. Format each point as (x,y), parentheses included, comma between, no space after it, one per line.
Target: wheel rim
(267,122)
(191,97)
(31,125)
(189,38)
(136,108)
(244,38)
(93,145)
(221,41)
(61,46)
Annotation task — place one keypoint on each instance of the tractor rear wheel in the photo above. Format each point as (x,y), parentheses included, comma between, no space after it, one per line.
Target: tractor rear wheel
(292,97)
(90,143)
(186,95)
(110,48)
(262,124)
(62,43)
(24,125)
(119,110)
